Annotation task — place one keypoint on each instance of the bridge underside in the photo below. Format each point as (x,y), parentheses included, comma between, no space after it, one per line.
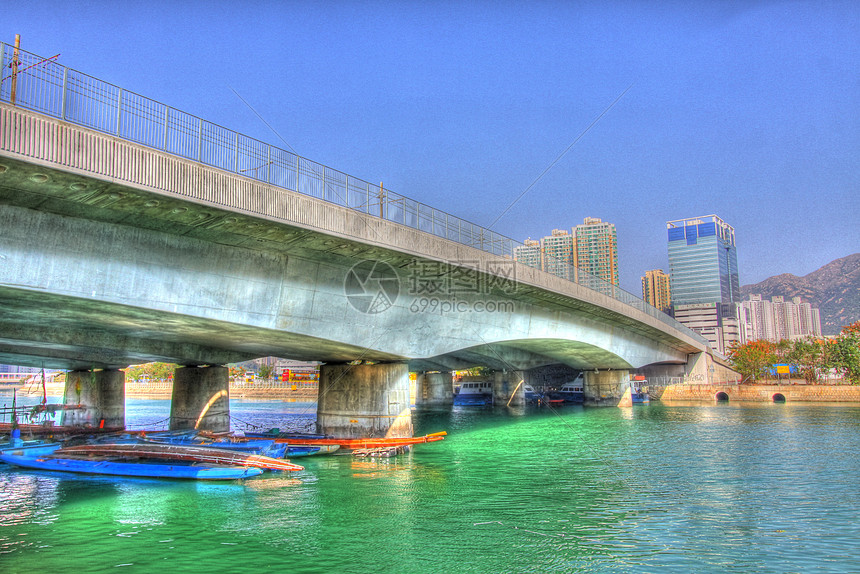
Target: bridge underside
(47,330)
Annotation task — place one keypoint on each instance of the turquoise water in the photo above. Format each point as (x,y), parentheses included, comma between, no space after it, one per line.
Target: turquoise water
(710,488)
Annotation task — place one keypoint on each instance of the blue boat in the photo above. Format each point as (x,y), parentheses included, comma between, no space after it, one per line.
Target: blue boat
(474,394)
(569,393)
(531,395)
(637,394)
(266,447)
(41,457)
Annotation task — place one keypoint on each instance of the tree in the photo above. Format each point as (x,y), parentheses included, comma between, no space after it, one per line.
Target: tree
(807,355)
(843,354)
(266,372)
(753,359)
(853,328)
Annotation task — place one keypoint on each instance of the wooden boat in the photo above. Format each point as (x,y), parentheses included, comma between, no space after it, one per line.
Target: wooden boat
(267,447)
(310,449)
(49,457)
(354,443)
(173,452)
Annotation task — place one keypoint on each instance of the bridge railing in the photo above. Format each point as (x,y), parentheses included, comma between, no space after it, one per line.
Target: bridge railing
(42,85)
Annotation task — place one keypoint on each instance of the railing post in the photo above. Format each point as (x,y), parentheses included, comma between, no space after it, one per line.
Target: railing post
(118,111)
(166,122)
(236,165)
(2,67)
(269,164)
(65,92)
(200,142)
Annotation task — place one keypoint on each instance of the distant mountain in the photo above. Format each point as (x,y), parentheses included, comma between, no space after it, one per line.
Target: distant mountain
(834,289)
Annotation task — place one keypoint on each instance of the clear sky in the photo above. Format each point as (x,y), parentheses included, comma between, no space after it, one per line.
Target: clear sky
(746,109)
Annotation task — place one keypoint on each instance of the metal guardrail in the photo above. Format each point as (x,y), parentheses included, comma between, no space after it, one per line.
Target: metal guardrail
(44,86)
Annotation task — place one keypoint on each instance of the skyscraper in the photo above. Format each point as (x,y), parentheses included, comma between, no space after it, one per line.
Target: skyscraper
(592,248)
(703,261)
(596,251)
(655,289)
(703,277)
(780,319)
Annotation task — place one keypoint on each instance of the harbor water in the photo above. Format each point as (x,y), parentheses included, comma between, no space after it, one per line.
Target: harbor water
(658,488)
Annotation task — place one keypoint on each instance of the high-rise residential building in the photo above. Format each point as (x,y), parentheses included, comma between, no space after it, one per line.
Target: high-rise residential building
(529,253)
(655,289)
(703,277)
(703,261)
(596,251)
(780,319)
(592,248)
(558,254)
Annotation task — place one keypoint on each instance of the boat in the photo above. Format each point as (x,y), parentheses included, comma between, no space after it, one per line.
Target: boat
(177,452)
(50,457)
(266,447)
(474,394)
(531,395)
(310,449)
(569,393)
(637,393)
(297,440)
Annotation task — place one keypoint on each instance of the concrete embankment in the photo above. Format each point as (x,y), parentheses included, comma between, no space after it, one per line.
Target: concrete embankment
(762,393)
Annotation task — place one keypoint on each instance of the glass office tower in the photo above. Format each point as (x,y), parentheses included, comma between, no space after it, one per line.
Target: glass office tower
(703,262)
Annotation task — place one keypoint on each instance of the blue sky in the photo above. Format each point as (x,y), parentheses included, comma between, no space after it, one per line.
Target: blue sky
(750,110)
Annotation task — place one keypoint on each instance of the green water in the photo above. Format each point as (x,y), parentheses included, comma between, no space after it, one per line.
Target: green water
(711,488)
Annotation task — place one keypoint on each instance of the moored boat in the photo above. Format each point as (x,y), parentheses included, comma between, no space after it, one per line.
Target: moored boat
(266,447)
(474,394)
(49,457)
(174,452)
(531,395)
(569,393)
(297,440)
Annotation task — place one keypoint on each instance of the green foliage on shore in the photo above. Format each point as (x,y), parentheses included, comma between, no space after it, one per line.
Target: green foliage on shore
(813,357)
(151,371)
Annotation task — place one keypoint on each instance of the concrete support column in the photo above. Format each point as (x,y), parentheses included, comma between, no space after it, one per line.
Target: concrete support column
(201,399)
(358,401)
(606,388)
(434,389)
(98,398)
(507,389)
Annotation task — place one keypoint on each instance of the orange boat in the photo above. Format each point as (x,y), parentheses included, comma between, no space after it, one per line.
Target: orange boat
(356,443)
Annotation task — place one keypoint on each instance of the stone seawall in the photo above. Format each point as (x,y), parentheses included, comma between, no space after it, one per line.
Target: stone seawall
(762,393)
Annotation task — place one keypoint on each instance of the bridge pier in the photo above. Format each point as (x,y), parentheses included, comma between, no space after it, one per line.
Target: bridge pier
(102,396)
(507,389)
(201,399)
(605,388)
(434,389)
(364,400)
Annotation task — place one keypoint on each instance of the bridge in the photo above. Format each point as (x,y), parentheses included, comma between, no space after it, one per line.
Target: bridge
(134,232)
